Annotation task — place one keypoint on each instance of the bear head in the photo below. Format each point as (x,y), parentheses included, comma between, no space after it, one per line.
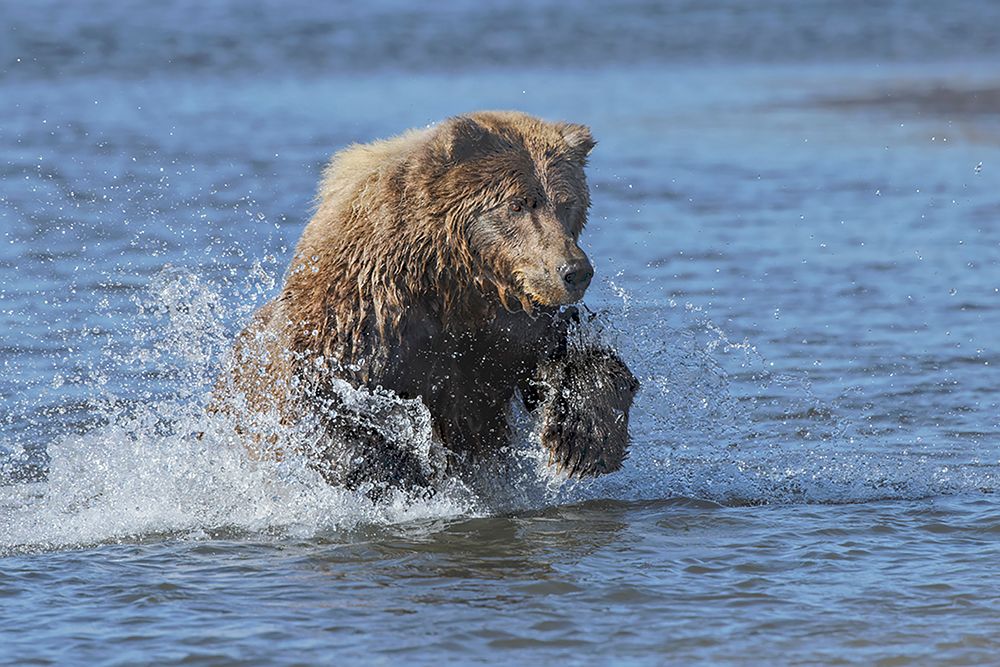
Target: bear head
(515,191)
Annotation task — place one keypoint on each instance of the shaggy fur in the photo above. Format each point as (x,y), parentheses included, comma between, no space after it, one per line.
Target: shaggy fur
(435,267)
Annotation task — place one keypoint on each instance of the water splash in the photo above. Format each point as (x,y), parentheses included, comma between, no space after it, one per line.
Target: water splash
(159,464)
(714,421)
(711,422)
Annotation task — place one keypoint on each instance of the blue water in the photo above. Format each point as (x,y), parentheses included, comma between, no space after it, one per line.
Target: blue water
(796,232)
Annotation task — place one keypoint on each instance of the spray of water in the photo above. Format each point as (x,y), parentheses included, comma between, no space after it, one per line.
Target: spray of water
(711,422)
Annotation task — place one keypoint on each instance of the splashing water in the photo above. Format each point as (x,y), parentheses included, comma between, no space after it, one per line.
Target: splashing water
(711,422)
(159,464)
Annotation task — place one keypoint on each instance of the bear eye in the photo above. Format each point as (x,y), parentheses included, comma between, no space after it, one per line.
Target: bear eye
(517,205)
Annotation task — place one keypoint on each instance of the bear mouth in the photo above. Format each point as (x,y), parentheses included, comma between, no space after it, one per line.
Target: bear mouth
(533,299)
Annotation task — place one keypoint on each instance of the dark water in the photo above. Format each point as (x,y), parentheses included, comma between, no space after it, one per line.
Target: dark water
(796,229)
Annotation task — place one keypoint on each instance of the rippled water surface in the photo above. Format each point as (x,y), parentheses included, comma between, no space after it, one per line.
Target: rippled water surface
(796,231)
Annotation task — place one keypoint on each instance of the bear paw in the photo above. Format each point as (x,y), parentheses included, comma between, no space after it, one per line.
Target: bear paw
(585,411)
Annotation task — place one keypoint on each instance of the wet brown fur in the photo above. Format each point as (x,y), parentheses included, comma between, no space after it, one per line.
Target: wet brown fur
(414,275)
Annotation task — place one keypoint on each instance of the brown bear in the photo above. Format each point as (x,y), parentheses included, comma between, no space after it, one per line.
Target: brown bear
(437,269)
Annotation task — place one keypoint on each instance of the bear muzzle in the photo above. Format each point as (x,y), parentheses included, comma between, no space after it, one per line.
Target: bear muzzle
(561,285)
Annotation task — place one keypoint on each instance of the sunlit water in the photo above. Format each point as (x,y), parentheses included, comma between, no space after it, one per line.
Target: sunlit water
(797,240)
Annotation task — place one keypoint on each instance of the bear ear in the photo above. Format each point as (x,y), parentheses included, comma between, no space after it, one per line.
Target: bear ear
(578,138)
(465,138)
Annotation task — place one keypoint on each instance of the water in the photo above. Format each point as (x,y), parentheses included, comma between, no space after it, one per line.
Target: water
(797,250)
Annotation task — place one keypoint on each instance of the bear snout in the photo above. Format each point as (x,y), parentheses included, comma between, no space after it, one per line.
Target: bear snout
(577,274)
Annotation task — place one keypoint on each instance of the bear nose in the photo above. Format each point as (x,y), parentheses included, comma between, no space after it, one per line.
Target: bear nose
(577,274)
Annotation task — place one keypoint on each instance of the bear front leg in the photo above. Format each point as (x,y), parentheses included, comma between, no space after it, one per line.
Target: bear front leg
(585,396)
(372,448)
